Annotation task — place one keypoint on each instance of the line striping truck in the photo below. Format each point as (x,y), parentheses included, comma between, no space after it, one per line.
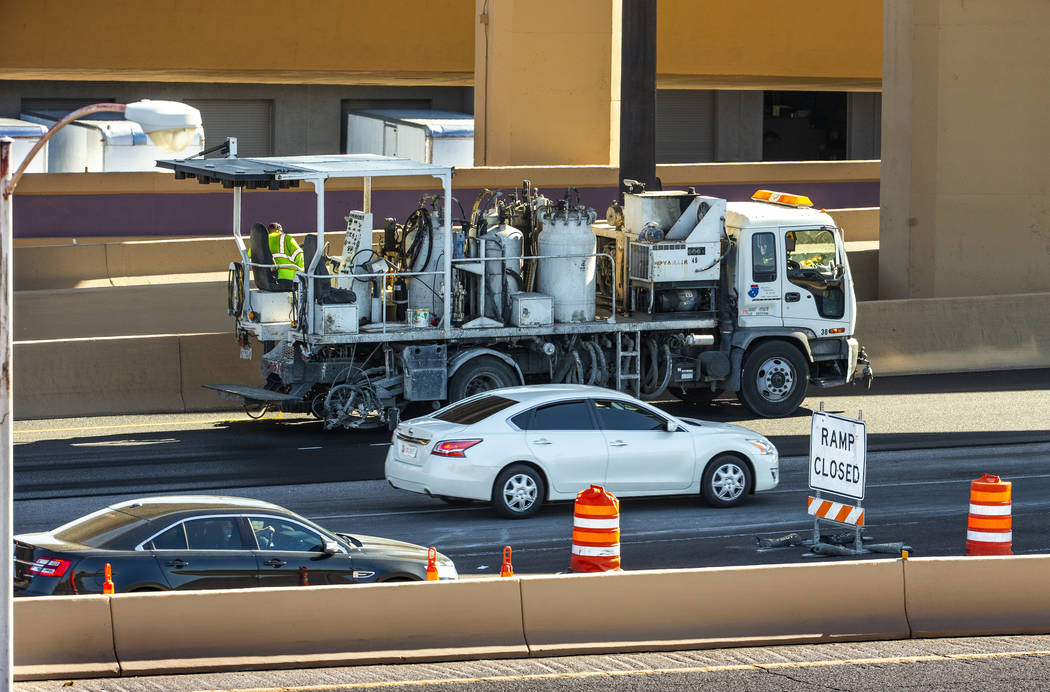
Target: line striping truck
(673,293)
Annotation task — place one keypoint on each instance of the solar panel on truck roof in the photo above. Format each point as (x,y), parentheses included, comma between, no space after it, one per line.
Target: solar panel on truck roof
(286,171)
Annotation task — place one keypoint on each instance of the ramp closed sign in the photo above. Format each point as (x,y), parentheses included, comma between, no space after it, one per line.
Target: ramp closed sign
(837,451)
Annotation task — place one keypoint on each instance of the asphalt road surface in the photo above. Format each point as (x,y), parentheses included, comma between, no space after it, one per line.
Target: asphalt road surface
(177,453)
(925,448)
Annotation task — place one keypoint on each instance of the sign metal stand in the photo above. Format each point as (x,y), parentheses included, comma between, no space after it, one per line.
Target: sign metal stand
(858,543)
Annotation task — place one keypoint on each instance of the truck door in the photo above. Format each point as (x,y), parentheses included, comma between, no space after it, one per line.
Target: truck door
(816,281)
(759,267)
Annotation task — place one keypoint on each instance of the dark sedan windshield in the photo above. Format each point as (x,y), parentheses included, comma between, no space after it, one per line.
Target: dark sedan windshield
(97,529)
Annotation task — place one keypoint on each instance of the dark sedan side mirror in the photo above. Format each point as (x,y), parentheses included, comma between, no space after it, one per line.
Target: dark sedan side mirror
(331,547)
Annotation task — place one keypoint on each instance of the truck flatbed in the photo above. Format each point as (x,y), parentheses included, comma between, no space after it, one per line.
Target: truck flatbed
(401,332)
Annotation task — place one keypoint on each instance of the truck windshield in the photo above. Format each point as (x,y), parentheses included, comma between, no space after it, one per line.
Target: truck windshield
(470,412)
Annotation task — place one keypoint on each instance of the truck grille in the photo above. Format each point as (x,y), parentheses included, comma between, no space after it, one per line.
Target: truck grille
(639,264)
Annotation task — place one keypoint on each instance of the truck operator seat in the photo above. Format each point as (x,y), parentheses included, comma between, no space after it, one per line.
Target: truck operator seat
(265,277)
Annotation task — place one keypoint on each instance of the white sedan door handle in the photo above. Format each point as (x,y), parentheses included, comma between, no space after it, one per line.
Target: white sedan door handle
(617,443)
(541,441)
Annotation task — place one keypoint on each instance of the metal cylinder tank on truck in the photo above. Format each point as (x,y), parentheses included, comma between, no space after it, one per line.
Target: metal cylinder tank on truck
(568,277)
(501,277)
(425,292)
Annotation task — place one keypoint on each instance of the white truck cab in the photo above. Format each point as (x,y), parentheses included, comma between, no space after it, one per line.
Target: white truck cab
(793,291)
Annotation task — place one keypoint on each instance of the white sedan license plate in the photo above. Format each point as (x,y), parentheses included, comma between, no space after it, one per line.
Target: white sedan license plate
(408,450)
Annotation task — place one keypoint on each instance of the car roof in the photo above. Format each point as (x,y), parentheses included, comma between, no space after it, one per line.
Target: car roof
(164,505)
(533,393)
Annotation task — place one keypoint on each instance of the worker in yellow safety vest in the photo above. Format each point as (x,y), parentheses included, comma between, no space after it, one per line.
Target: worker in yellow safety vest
(287,254)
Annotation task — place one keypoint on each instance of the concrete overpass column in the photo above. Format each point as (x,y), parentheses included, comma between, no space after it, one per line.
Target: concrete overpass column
(965,190)
(546,82)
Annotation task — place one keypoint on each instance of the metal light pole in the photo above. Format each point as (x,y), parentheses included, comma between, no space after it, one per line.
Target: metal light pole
(6,449)
(165,122)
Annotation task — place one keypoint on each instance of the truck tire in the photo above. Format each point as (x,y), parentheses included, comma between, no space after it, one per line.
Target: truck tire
(479,375)
(773,379)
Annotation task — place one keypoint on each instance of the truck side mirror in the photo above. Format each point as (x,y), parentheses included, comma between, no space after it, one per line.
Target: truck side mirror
(789,241)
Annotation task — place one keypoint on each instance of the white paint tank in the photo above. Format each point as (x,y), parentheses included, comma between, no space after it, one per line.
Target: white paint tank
(568,278)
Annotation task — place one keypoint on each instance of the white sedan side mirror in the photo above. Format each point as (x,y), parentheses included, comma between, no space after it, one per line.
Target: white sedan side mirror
(672,425)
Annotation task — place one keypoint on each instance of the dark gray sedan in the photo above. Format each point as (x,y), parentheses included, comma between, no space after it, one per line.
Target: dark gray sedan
(207,542)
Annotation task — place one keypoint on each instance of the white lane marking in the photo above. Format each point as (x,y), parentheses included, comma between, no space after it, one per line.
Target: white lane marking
(306,449)
(379,444)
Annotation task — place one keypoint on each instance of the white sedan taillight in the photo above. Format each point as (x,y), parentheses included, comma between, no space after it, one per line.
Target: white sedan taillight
(453,448)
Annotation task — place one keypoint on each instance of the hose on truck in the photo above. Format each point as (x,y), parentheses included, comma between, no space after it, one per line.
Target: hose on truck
(653,386)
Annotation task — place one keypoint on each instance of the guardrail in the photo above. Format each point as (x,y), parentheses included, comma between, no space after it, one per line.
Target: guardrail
(530,616)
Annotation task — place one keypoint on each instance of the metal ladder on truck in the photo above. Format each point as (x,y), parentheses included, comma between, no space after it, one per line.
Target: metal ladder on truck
(629,363)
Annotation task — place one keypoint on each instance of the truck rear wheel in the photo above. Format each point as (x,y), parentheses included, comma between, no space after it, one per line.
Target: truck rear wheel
(480,375)
(773,379)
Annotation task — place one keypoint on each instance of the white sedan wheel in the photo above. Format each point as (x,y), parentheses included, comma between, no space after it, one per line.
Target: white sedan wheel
(726,481)
(519,492)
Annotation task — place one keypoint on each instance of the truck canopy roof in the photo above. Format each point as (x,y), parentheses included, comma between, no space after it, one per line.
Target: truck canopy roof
(286,171)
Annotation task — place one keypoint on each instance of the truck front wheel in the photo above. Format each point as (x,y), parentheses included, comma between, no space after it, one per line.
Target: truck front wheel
(773,379)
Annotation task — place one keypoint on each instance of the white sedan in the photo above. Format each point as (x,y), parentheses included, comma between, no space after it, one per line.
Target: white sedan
(521,446)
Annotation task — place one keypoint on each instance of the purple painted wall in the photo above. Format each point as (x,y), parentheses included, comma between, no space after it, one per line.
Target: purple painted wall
(208,214)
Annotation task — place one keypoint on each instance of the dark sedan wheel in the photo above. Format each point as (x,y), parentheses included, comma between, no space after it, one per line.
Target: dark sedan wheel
(726,482)
(518,492)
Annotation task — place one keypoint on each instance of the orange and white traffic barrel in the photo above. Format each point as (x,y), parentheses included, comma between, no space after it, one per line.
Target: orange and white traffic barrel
(989,529)
(595,532)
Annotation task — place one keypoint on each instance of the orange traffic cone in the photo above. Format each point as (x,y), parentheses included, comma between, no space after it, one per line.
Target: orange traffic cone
(595,532)
(507,570)
(432,569)
(107,583)
(304,576)
(989,528)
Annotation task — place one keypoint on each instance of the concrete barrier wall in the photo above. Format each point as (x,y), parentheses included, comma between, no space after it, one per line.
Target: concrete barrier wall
(91,636)
(97,377)
(88,377)
(859,224)
(214,359)
(722,606)
(58,266)
(147,309)
(97,264)
(906,337)
(317,626)
(63,636)
(978,595)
